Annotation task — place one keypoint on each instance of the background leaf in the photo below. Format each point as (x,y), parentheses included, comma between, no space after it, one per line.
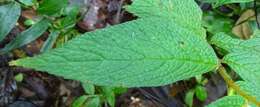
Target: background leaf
(27,36)
(189,98)
(229,101)
(9,15)
(79,102)
(89,88)
(201,93)
(52,7)
(27,2)
(48,44)
(109,95)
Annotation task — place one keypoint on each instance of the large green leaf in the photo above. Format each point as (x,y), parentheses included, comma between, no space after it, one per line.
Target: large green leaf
(149,51)
(9,14)
(27,36)
(243,57)
(229,101)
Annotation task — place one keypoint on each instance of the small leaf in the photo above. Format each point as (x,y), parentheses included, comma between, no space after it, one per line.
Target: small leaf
(79,101)
(89,88)
(48,44)
(119,90)
(27,36)
(229,101)
(201,93)
(9,15)
(71,18)
(189,98)
(52,7)
(29,22)
(93,101)
(109,95)
(19,77)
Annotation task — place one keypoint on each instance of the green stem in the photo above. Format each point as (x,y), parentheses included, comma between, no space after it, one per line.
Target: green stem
(233,85)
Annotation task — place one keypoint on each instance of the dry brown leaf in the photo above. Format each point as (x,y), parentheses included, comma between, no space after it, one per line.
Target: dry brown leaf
(242,28)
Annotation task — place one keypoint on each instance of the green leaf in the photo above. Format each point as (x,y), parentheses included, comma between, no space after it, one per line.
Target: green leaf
(256,34)
(119,90)
(92,102)
(52,7)
(19,77)
(27,36)
(27,2)
(48,44)
(229,101)
(250,88)
(189,98)
(89,88)
(218,3)
(149,51)
(243,57)
(231,45)
(71,17)
(9,15)
(176,10)
(214,23)
(201,93)
(109,95)
(87,101)
(79,101)
(29,22)
(244,63)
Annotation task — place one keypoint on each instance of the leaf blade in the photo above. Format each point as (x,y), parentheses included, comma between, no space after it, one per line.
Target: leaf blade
(142,53)
(27,36)
(132,54)
(9,15)
(229,101)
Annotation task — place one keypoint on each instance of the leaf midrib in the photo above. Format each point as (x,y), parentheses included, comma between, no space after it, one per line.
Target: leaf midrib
(139,59)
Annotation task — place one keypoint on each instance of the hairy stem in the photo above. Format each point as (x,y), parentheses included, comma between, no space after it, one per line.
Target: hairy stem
(233,85)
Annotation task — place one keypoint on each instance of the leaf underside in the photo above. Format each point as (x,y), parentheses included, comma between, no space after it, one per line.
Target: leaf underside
(161,47)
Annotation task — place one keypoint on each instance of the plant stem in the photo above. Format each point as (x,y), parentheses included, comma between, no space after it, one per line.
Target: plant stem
(233,85)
